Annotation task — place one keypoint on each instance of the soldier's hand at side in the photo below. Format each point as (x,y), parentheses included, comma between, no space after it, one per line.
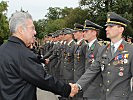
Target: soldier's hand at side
(74,89)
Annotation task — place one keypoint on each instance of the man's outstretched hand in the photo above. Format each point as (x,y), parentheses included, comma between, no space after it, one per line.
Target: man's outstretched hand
(74,89)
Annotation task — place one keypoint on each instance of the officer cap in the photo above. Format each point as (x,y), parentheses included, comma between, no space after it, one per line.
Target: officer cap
(61,32)
(129,37)
(91,26)
(53,35)
(68,31)
(78,27)
(115,19)
(57,33)
(50,34)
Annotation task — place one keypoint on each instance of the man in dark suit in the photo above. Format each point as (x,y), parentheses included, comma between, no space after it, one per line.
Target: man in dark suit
(91,31)
(20,69)
(113,61)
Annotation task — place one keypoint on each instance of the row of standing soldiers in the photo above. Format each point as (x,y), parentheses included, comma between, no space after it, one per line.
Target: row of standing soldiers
(68,53)
(67,56)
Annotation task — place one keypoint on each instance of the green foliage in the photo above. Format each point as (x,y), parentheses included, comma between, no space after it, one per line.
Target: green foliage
(99,8)
(77,15)
(94,10)
(54,25)
(4,28)
(53,14)
(40,28)
(67,18)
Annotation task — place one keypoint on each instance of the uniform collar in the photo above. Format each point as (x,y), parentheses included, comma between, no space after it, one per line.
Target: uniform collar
(90,43)
(16,40)
(61,42)
(117,44)
(70,42)
(79,41)
(47,41)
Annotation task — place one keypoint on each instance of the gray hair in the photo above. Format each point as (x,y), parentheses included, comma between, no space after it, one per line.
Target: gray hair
(18,18)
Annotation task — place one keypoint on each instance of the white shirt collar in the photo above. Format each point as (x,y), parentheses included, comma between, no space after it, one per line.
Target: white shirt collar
(64,42)
(117,44)
(79,41)
(47,41)
(69,42)
(90,43)
(61,42)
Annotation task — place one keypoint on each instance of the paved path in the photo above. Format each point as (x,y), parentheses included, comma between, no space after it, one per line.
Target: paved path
(44,95)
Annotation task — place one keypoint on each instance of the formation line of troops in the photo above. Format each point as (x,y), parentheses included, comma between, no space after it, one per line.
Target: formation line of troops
(70,53)
(89,69)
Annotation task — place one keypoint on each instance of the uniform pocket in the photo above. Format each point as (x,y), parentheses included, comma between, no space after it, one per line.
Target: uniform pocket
(120,93)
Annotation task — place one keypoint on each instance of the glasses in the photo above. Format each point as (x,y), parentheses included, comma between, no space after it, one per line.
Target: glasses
(31,27)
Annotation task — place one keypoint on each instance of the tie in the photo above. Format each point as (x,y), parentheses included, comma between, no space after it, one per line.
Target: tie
(112,49)
(88,46)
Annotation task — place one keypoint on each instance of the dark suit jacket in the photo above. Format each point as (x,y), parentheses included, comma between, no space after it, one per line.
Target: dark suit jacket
(21,72)
(116,71)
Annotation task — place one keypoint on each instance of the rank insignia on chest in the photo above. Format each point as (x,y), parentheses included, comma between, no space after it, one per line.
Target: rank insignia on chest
(121,47)
(126,56)
(91,56)
(121,59)
(78,52)
(121,68)
(120,56)
(125,61)
(124,51)
(68,54)
(91,61)
(120,73)
(102,68)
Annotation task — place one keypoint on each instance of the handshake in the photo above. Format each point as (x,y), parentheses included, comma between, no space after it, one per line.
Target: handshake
(74,89)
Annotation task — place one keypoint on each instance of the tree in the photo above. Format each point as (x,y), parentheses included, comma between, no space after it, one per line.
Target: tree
(54,25)
(4,28)
(77,15)
(98,10)
(40,28)
(54,13)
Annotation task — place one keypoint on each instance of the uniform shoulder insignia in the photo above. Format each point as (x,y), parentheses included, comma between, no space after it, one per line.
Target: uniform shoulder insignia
(106,42)
(100,43)
(85,42)
(130,43)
